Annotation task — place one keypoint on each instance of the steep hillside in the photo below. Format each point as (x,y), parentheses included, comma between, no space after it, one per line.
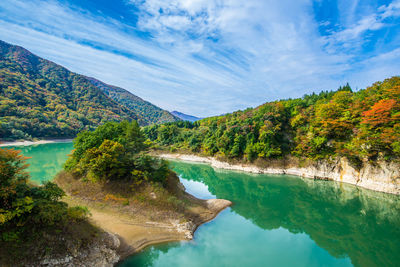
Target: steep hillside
(39,98)
(147,112)
(185,117)
(360,126)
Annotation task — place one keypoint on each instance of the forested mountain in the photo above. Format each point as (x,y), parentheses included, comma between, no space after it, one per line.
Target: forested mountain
(147,112)
(39,98)
(184,116)
(358,125)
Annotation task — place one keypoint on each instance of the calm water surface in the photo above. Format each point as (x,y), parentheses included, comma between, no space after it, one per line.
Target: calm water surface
(280,220)
(275,220)
(46,160)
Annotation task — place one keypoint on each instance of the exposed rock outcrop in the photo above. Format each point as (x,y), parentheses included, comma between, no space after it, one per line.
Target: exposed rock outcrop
(382,176)
(103,252)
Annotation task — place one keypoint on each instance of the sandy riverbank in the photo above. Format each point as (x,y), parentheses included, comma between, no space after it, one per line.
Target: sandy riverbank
(381,176)
(138,232)
(142,218)
(29,143)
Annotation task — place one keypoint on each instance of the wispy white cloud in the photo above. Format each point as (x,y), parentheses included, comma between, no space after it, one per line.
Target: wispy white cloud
(352,36)
(202,57)
(391,10)
(163,74)
(370,23)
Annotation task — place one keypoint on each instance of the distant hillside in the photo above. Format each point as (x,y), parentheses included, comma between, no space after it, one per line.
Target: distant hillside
(147,112)
(185,117)
(361,126)
(39,98)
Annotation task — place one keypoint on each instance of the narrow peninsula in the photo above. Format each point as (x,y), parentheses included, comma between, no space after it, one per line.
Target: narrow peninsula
(111,200)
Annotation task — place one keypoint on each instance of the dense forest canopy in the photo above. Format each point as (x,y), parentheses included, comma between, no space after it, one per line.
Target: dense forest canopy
(39,98)
(147,112)
(358,125)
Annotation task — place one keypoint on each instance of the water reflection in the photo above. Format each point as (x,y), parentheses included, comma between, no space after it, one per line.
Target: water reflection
(284,221)
(275,220)
(197,189)
(343,219)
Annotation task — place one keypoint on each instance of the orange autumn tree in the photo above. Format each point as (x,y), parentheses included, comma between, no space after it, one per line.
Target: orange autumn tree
(380,125)
(381,113)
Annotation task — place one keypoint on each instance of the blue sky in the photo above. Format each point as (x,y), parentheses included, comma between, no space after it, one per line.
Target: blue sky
(208,57)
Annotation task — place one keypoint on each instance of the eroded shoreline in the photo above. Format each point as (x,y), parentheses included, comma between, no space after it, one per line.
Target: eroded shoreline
(30,143)
(138,225)
(136,235)
(382,178)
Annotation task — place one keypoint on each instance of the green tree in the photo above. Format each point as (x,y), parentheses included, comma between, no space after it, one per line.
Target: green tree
(26,209)
(114,151)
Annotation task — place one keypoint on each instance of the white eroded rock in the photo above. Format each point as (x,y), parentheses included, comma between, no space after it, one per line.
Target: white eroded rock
(383,176)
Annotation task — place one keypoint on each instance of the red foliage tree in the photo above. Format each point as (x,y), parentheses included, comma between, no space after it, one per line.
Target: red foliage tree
(380,113)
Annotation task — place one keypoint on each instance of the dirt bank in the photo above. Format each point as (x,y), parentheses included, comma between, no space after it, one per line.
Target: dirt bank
(142,217)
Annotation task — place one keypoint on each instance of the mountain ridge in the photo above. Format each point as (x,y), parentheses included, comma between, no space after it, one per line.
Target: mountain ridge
(126,98)
(42,99)
(184,116)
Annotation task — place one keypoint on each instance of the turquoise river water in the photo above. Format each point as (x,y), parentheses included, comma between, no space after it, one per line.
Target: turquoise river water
(276,220)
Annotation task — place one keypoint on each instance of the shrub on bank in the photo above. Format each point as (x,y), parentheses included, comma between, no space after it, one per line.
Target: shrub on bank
(115,151)
(32,216)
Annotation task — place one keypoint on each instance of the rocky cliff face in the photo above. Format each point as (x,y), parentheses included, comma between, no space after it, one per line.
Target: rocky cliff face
(103,252)
(381,176)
